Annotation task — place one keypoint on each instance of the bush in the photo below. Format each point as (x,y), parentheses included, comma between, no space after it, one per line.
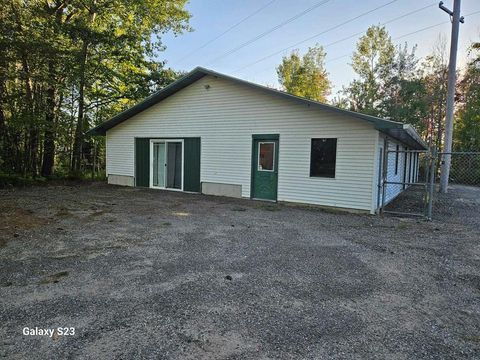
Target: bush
(15,180)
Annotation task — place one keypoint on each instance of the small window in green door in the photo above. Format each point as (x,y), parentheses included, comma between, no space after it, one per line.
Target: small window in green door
(266,156)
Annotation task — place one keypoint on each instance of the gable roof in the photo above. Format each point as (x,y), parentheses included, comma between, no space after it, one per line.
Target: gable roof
(402,132)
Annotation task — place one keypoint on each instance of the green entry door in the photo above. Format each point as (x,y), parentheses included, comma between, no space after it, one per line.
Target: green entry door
(265,167)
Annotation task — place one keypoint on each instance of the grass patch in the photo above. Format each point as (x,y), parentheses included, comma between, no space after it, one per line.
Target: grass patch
(402,226)
(15,180)
(63,211)
(239,208)
(324,209)
(473,338)
(270,207)
(55,278)
(19,180)
(332,210)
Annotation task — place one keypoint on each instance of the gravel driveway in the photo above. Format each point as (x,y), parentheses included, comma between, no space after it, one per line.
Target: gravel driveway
(154,274)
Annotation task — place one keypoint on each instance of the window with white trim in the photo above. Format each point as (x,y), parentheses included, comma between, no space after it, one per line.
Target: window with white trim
(266,156)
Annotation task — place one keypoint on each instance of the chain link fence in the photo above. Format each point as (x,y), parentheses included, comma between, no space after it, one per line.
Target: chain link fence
(410,182)
(406,185)
(464,181)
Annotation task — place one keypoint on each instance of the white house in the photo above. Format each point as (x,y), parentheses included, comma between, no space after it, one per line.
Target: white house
(215,134)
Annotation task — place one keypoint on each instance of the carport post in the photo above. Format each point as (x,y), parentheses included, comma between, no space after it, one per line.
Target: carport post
(384,172)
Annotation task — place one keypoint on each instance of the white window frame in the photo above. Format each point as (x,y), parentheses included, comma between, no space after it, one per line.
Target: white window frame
(258,156)
(166,141)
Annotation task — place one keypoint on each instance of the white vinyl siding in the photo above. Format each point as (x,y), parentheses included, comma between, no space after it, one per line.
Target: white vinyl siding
(225,115)
(404,168)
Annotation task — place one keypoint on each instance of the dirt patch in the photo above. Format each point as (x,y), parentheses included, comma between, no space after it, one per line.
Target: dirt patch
(19,218)
(54,278)
(14,219)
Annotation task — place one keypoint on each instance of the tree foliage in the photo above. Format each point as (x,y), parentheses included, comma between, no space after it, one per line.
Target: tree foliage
(467,124)
(67,65)
(393,83)
(372,60)
(305,75)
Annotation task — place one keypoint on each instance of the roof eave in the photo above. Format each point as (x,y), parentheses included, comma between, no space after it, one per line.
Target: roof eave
(413,133)
(168,90)
(380,124)
(407,135)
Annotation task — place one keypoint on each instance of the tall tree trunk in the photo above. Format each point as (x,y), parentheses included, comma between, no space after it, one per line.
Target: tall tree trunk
(77,145)
(31,138)
(51,111)
(3,135)
(31,134)
(3,127)
(49,134)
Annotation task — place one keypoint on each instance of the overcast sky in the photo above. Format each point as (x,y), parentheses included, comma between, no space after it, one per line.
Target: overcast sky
(278,24)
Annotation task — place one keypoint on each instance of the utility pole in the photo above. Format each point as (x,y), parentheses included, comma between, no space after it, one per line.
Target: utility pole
(452,68)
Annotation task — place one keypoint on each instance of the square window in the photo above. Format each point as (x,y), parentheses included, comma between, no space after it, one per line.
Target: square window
(323,157)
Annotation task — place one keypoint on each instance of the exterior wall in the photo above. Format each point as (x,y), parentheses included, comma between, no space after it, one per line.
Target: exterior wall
(406,165)
(225,115)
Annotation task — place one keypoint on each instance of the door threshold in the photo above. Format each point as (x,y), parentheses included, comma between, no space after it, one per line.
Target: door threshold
(166,189)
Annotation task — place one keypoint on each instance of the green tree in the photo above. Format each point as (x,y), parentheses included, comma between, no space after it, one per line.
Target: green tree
(305,75)
(403,95)
(66,65)
(129,30)
(433,73)
(371,61)
(467,124)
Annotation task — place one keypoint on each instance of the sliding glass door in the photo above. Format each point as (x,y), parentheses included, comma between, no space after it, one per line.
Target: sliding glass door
(167,164)
(159,164)
(174,165)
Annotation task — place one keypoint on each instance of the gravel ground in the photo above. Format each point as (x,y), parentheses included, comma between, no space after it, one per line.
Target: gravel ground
(459,203)
(154,274)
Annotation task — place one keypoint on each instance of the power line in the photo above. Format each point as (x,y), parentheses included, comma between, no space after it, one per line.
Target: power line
(337,58)
(422,29)
(383,24)
(410,33)
(265,33)
(226,31)
(432,26)
(345,38)
(318,34)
